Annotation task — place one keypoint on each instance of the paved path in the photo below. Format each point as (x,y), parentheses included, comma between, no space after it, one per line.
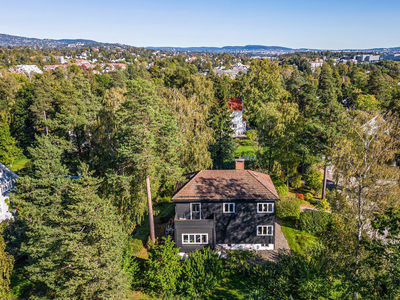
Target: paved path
(281,243)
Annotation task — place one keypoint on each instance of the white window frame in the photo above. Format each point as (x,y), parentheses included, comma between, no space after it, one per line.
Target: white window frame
(266,234)
(191,215)
(228,212)
(267,204)
(194,239)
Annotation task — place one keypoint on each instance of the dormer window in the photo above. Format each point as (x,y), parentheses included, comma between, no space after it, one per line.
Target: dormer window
(229,208)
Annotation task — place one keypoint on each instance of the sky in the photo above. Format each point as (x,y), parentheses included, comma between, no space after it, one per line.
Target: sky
(339,24)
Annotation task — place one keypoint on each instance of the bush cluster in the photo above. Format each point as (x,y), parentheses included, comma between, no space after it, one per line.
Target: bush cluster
(166,275)
(296,181)
(314,179)
(314,221)
(281,188)
(308,197)
(288,208)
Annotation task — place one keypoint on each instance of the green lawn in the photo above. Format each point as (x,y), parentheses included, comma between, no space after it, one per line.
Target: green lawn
(299,241)
(20,164)
(245,151)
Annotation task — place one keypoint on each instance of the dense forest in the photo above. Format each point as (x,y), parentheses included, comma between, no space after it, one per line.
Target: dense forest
(88,141)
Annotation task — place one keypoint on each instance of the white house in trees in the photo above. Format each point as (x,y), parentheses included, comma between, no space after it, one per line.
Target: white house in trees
(235,104)
(7,178)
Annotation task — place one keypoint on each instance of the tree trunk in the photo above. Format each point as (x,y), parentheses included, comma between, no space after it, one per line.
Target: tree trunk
(151,218)
(324,184)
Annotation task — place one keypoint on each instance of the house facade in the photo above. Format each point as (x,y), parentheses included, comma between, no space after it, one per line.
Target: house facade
(235,104)
(232,209)
(7,178)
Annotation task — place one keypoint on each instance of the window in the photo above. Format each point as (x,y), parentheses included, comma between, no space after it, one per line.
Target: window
(195,210)
(196,238)
(265,230)
(229,208)
(265,207)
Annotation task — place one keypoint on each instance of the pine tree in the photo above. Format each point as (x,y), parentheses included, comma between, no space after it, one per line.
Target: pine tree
(330,114)
(147,146)
(74,240)
(6,267)
(223,148)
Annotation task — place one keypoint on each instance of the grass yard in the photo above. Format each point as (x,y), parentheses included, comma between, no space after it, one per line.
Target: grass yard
(245,151)
(20,165)
(299,241)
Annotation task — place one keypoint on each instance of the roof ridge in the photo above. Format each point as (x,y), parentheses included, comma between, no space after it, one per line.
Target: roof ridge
(186,184)
(255,176)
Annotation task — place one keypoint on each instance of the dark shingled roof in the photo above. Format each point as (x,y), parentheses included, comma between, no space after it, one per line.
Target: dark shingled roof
(226,185)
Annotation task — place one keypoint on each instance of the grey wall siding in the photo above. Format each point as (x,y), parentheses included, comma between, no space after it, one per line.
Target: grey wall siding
(236,228)
(194,226)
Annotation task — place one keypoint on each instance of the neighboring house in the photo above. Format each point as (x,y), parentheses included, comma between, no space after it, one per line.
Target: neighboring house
(7,178)
(316,64)
(235,104)
(26,69)
(232,209)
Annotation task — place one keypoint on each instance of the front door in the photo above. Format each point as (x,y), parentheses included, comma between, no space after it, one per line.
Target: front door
(195,209)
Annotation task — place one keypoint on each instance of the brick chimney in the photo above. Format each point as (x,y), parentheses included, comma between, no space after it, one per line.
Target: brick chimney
(239,164)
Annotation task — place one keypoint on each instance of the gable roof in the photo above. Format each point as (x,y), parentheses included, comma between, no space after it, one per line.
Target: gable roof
(235,103)
(226,185)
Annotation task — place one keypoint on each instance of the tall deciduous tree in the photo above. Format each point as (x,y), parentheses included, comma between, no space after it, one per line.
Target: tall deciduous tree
(262,85)
(367,178)
(191,117)
(9,151)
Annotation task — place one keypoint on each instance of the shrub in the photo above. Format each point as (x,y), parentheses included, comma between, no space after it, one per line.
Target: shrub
(300,196)
(324,205)
(296,181)
(314,179)
(288,208)
(240,260)
(281,188)
(163,268)
(314,221)
(308,197)
(201,273)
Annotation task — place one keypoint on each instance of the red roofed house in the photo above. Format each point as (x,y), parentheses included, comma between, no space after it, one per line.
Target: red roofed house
(232,209)
(235,104)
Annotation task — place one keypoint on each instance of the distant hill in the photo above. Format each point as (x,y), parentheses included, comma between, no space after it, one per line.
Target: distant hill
(12,40)
(265,49)
(248,48)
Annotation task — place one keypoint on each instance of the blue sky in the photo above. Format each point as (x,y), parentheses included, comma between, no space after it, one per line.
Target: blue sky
(291,23)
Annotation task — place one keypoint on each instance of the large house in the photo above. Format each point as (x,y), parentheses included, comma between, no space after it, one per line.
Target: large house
(235,104)
(232,209)
(7,178)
